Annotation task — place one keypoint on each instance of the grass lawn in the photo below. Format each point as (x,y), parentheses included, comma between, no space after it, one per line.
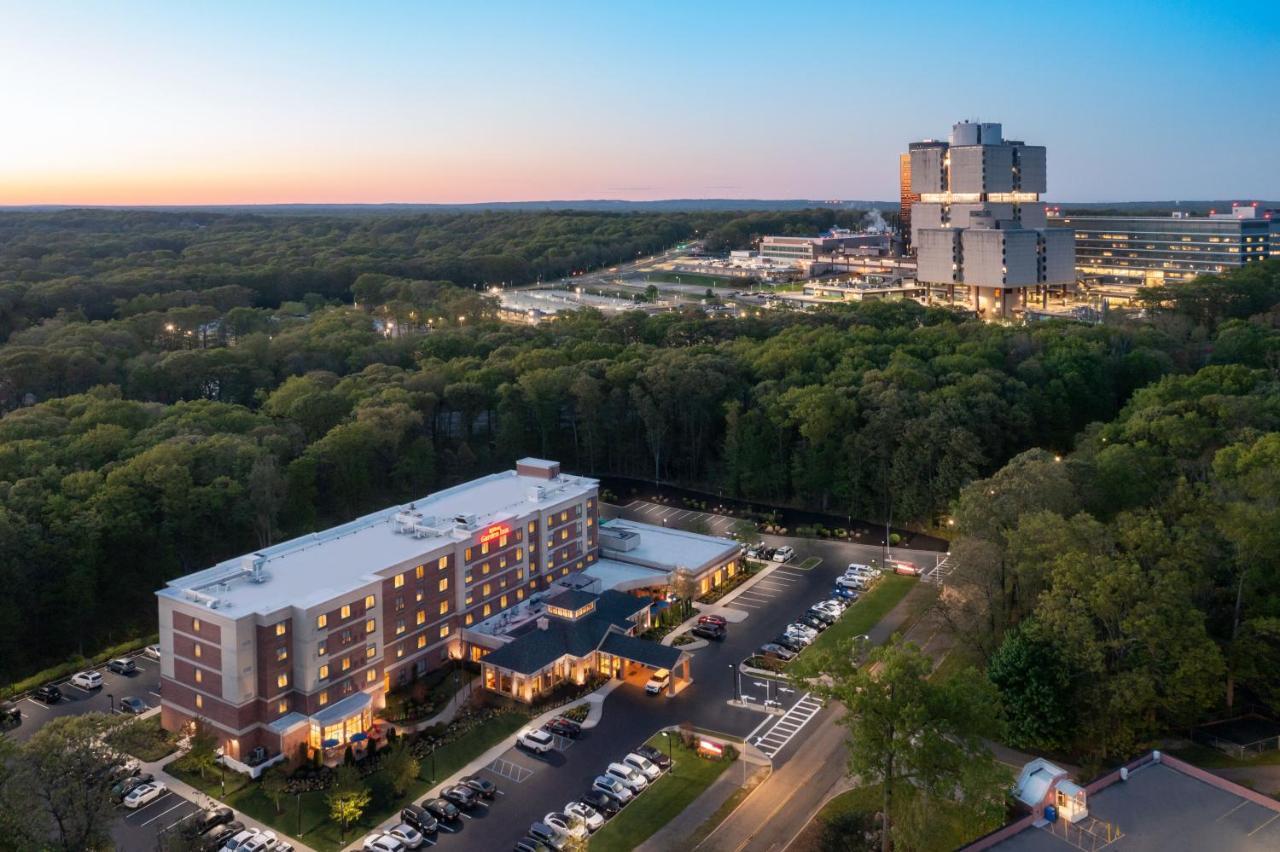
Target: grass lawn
(947,831)
(144,739)
(693,278)
(867,611)
(658,805)
(957,660)
(307,817)
(809,564)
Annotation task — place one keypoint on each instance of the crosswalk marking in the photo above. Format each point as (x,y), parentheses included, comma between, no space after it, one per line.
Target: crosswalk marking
(776,738)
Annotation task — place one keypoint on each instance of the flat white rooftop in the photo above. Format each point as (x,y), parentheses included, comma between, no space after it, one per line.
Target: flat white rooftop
(665,548)
(315,568)
(624,577)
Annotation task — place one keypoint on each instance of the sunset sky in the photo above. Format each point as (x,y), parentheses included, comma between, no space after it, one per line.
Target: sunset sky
(217,103)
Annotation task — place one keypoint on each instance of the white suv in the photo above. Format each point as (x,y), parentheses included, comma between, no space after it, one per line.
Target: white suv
(86,680)
(640,764)
(784,553)
(536,740)
(633,780)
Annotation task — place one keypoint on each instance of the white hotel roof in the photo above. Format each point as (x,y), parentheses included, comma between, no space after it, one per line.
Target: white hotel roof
(315,568)
(666,548)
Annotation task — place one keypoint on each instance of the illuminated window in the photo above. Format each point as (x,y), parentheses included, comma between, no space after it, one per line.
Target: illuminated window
(421,618)
(484,569)
(422,641)
(282,680)
(324,672)
(370,652)
(320,650)
(399,602)
(443,585)
(280,629)
(195,625)
(564,572)
(469,619)
(564,535)
(519,573)
(346,664)
(199,701)
(443,563)
(444,607)
(502,601)
(519,594)
(346,611)
(400,626)
(321,621)
(324,698)
(486,589)
(468,554)
(444,631)
(282,654)
(487,610)
(532,527)
(199,652)
(399,580)
(199,676)
(369,601)
(564,516)
(399,652)
(282,707)
(369,626)
(590,521)
(484,548)
(502,542)
(371,676)
(470,598)
(519,554)
(418,572)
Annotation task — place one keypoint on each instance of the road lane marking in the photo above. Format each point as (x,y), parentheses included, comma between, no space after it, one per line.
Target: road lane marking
(786,728)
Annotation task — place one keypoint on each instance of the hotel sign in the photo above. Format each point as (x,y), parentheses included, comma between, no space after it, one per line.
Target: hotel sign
(493,532)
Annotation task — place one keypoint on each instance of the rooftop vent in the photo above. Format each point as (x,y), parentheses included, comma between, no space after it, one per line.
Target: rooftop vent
(537,494)
(544,623)
(466,522)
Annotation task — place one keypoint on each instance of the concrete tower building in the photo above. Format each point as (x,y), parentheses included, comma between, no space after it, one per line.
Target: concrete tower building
(979,228)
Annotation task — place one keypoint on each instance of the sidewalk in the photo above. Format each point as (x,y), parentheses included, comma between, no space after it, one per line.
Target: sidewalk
(672,835)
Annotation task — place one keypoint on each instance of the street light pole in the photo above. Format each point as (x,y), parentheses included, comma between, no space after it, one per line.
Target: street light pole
(112,700)
(737,691)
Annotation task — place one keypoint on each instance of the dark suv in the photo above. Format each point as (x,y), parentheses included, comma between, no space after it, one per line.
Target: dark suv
(710,630)
(48,694)
(419,819)
(442,809)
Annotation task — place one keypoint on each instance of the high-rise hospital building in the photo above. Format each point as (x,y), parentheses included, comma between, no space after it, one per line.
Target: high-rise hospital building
(979,226)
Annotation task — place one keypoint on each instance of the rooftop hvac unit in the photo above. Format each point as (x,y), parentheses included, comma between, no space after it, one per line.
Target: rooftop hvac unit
(467,522)
(429,528)
(404,521)
(537,494)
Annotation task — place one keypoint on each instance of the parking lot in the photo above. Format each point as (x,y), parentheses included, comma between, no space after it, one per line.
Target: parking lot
(139,829)
(144,684)
(677,516)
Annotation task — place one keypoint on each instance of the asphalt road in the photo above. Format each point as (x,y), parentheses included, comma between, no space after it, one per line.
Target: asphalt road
(535,785)
(145,684)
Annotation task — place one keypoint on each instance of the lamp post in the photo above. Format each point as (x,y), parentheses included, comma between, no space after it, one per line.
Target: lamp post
(737,693)
(666,735)
(299,798)
(111,699)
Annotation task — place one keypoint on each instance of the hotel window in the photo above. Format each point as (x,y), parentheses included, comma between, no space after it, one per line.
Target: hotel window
(282,654)
(487,610)
(346,664)
(468,554)
(421,619)
(444,607)
(418,597)
(282,680)
(564,516)
(444,631)
(282,707)
(418,572)
(195,625)
(484,569)
(484,548)
(486,589)
(422,642)
(346,611)
(199,676)
(470,598)
(399,580)
(369,626)
(564,535)
(320,650)
(321,621)
(502,601)
(519,554)
(400,652)
(467,578)
(399,602)
(400,626)
(199,701)
(324,672)
(280,629)
(533,527)
(519,594)
(199,651)
(370,652)
(519,573)
(371,676)
(443,585)
(443,563)
(324,698)
(369,602)
(469,619)
(590,521)
(502,542)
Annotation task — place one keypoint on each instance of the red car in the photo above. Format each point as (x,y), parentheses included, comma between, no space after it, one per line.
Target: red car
(717,620)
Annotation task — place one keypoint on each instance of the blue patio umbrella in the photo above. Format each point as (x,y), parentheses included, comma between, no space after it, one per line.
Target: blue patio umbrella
(359,738)
(329,743)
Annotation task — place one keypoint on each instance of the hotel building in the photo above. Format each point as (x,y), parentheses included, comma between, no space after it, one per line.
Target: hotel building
(979,228)
(299,642)
(1147,251)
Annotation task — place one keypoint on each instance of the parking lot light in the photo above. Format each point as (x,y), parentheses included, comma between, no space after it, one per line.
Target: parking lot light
(111,699)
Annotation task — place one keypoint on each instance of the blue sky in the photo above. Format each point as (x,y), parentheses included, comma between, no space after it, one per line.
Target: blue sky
(149,102)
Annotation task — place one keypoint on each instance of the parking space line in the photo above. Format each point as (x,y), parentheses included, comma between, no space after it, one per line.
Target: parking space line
(444,827)
(174,808)
(37,703)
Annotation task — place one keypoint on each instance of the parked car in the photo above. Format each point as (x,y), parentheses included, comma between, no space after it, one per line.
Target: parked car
(86,680)
(853,584)
(220,834)
(802,630)
(483,787)
(144,794)
(265,841)
(847,594)
(442,809)
(600,802)
(419,818)
(614,787)
(10,715)
(658,683)
(813,622)
(126,786)
(784,553)
(760,551)
(566,825)
(822,614)
(152,651)
(380,842)
(132,705)
(462,796)
(773,649)
(835,606)
(634,781)
(859,567)
(718,620)
(589,816)
(535,740)
(640,763)
(207,821)
(563,727)
(655,755)
(48,694)
(530,844)
(791,643)
(544,833)
(407,835)
(714,632)
(122,665)
(237,843)
(902,567)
